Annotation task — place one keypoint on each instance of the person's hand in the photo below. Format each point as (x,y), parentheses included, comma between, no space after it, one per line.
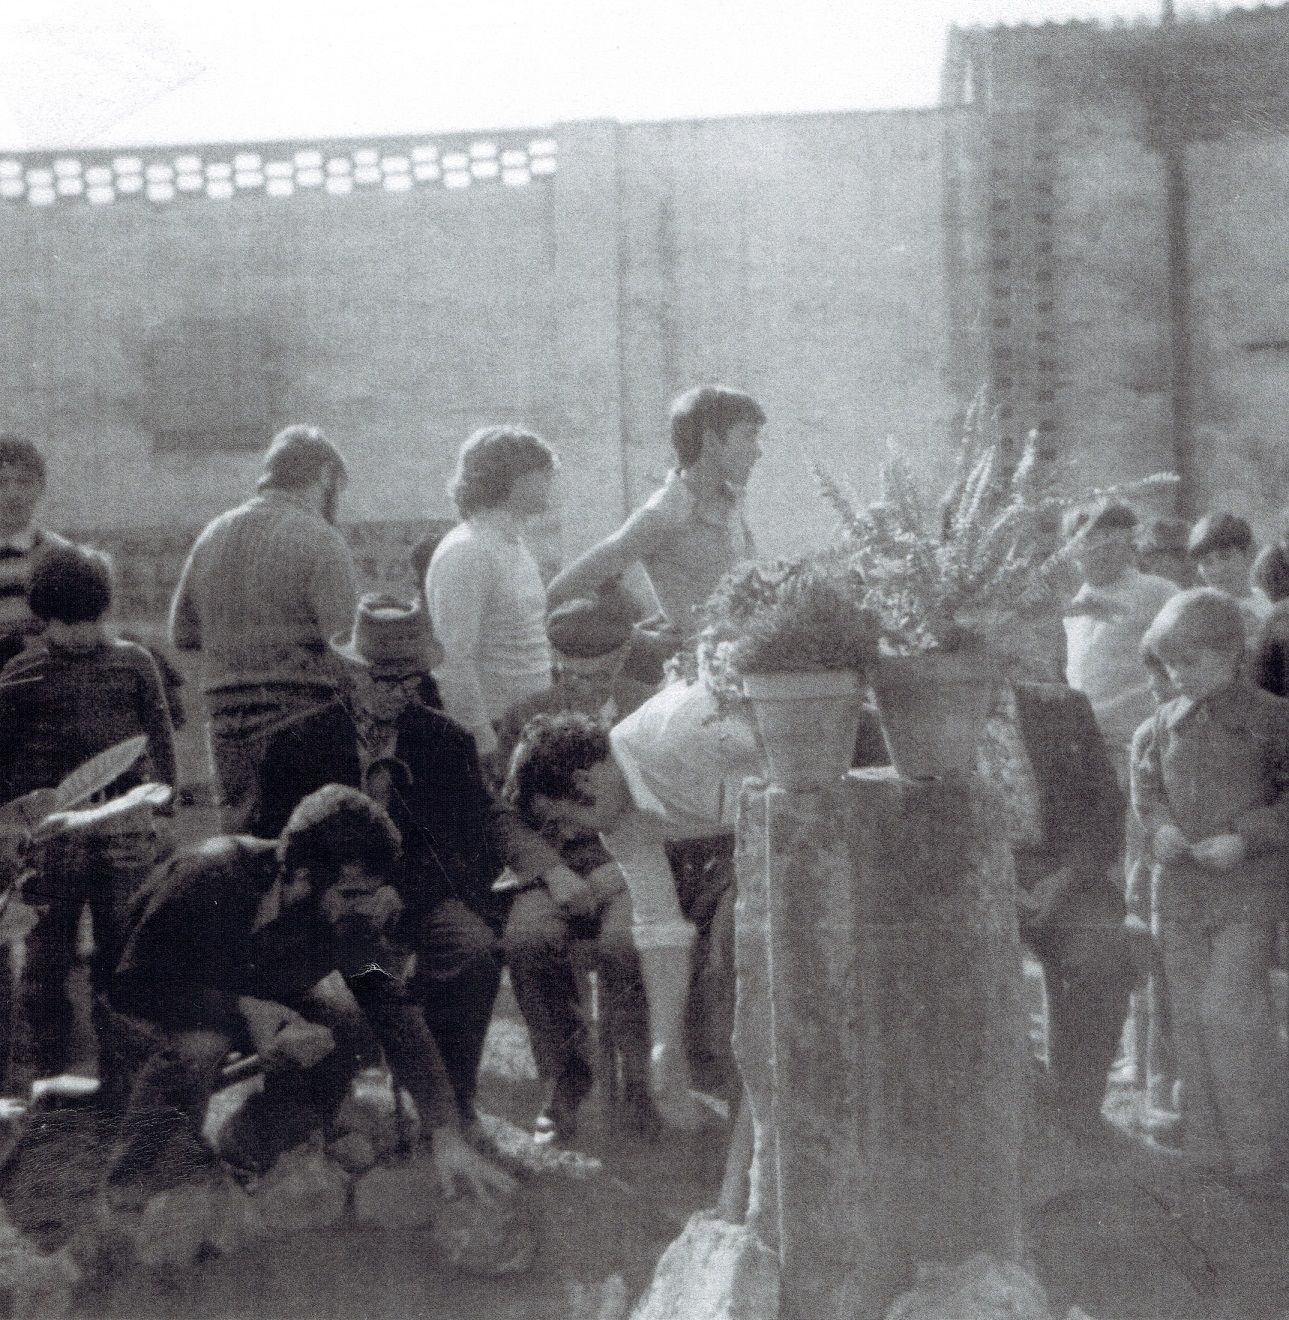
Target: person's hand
(459,1165)
(570,893)
(1221,852)
(1170,844)
(300,1042)
(281,1035)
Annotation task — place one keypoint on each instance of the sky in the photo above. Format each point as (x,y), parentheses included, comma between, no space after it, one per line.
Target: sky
(130,72)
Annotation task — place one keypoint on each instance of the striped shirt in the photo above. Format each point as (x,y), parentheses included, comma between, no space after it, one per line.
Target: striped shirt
(17,554)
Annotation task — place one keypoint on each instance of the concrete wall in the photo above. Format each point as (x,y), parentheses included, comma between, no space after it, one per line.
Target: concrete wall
(799,257)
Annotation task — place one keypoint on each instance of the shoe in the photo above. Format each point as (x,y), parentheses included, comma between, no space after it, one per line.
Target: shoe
(558,1119)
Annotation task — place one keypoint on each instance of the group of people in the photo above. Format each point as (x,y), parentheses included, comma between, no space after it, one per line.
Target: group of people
(417,793)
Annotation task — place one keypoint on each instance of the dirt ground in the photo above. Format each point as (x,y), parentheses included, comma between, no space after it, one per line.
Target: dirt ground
(1125,1230)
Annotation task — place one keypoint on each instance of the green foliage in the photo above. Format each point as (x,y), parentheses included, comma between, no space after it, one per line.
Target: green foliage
(989,562)
(781,616)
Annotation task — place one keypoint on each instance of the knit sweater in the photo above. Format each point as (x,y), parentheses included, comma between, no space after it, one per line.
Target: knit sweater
(59,706)
(265,588)
(488,606)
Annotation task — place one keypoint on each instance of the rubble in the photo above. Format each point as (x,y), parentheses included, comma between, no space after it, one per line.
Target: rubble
(980,1288)
(485,1238)
(714,1270)
(39,1285)
(303,1190)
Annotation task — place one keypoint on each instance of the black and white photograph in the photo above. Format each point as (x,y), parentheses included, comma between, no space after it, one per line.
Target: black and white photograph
(644,660)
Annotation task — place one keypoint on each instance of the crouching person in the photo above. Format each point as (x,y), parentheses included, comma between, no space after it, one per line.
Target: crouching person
(246,944)
(670,772)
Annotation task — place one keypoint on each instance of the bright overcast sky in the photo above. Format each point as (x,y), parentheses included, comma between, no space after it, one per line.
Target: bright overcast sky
(109,72)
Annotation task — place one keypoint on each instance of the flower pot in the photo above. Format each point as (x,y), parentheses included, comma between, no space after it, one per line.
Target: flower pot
(808,723)
(933,709)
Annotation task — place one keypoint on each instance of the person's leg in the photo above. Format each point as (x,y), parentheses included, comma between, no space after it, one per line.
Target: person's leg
(1097,974)
(178,1073)
(1186,953)
(1161,1055)
(707,899)
(536,950)
(460,972)
(1241,1042)
(60,890)
(626,1020)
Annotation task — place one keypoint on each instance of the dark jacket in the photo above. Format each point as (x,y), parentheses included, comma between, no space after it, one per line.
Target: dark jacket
(456,837)
(59,707)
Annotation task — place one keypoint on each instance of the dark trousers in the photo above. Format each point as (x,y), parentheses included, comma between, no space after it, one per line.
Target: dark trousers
(1089,972)
(458,973)
(178,1069)
(73,875)
(538,942)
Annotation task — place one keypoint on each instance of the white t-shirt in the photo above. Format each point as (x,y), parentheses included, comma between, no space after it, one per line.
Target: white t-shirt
(1104,657)
(684,770)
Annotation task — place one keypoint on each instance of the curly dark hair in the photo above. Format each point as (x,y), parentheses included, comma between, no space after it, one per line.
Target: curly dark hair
(70,584)
(551,751)
(491,461)
(18,451)
(333,826)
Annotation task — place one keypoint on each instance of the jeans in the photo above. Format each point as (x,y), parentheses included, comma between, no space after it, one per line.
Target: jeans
(74,874)
(537,942)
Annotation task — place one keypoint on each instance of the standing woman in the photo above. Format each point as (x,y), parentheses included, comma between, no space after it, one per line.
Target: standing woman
(485,595)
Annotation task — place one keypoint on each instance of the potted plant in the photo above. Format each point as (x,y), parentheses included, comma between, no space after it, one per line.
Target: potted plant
(794,639)
(963,587)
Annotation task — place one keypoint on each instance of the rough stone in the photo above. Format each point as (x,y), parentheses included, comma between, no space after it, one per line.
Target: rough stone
(713,1271)
(486,1238)
(39,1285)
(175,1225)
(981,1288)
(371,1111)
(304,1190)
(397,1196)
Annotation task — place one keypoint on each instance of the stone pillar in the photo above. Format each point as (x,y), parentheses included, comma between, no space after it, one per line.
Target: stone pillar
(897,1043)
(754,1012)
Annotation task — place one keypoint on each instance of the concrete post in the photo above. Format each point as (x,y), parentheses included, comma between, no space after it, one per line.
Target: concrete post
(896,1040)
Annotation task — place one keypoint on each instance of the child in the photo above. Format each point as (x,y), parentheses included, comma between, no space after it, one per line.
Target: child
(70,695)
(1210,771)
(1221,548)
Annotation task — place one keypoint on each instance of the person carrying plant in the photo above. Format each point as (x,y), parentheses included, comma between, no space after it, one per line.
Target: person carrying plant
(71,695)
(1210,786)
(691,531)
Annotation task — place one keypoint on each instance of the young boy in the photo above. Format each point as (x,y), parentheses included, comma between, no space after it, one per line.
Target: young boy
(691,532)
(1221,548)
(1210,774)
(70,695)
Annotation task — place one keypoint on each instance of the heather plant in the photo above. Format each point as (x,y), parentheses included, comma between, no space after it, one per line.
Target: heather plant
(979,566)
(782,616)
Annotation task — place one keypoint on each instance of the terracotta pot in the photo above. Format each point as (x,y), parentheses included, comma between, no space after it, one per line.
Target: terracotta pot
(933,709)
(808,723)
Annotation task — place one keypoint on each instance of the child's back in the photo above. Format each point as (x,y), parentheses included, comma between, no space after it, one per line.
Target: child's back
(60,705)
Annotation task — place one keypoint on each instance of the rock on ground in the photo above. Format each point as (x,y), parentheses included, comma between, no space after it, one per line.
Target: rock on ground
(39,1285)
(980,1288)
(304,1190)
(713,1271)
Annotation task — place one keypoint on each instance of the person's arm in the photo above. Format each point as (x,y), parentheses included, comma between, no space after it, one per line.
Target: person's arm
(333,588)
(154,719)
(1149,797)
(630,544)
(456,590)
(185,618)
(1267,827)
